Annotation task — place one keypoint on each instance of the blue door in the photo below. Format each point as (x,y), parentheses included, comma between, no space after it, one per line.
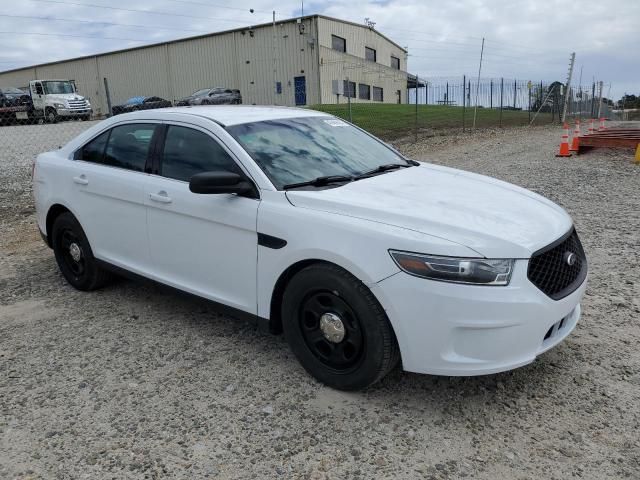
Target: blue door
(300,87)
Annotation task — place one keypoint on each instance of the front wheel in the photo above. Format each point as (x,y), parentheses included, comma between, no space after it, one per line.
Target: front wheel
(337,329)
(52,115)
(74,255)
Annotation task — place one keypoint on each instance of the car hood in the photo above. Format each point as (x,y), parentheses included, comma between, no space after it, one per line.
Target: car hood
(493,218)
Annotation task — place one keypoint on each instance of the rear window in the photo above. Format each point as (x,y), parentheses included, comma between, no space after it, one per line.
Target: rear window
(124,146)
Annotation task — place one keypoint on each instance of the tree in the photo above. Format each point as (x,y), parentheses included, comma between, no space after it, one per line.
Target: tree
(549,97)
(628,102)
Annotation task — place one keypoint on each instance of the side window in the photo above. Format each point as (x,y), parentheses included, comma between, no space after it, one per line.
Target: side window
(39,90)
(188,151)
(94,150)
(128,146)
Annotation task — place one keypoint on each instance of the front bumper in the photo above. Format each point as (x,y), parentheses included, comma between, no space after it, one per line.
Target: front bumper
(76,112)
(458,330)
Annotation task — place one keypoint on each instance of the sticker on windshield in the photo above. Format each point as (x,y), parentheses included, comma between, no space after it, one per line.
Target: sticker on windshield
(334,122)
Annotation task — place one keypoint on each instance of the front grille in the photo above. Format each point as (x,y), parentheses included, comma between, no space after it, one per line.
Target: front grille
(550,271)
(77,104)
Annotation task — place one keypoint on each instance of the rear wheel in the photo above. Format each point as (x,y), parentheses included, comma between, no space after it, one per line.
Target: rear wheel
(74,255)
(337,329)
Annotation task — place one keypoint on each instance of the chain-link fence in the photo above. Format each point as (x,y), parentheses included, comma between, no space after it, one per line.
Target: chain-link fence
(463,103)
(428,104)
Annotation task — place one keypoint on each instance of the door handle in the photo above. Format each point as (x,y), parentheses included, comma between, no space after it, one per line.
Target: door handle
(160,197)
(81,180)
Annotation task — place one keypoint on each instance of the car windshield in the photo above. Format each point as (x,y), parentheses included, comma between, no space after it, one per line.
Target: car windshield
(57,87)
(298,150)
(199,93)
(13,91)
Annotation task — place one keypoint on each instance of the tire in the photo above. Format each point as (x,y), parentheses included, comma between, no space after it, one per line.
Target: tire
(317,301)
(81,271)
(51,115)
(85,118)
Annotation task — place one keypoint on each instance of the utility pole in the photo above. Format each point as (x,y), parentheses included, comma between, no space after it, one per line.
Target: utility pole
(580,93)
(475,110)
(566,91)
(600,85)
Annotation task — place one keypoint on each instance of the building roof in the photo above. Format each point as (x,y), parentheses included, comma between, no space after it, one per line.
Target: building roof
(206,35)
(227,115)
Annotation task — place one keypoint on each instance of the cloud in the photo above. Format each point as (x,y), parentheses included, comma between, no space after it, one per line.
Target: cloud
(525,39)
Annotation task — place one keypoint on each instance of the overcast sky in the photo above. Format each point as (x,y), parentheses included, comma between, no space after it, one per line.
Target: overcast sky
(525,39)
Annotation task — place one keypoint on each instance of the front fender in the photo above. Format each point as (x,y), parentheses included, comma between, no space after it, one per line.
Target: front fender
(359,246)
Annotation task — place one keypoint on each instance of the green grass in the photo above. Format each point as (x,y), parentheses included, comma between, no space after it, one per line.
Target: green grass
(391,121)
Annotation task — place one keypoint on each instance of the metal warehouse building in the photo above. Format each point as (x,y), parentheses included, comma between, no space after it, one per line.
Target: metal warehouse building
(300,61)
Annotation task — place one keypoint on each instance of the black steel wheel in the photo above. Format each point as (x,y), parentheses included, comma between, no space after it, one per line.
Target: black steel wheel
(331,330)
(74,255)
(337,329)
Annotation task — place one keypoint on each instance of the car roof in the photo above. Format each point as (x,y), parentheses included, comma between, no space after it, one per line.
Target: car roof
(228,115)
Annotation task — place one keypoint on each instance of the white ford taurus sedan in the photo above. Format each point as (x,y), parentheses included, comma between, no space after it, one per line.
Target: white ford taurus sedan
(306,224)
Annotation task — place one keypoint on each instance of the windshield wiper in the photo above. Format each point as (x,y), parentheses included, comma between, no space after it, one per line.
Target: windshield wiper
(320,181)
(385,168)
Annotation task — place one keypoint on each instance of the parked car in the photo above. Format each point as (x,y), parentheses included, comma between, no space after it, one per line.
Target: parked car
(15,106)
(212,96)
(140,103)
(305,224)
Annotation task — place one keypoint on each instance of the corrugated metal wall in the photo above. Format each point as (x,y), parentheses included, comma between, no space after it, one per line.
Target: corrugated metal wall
(241,59)
(336,65)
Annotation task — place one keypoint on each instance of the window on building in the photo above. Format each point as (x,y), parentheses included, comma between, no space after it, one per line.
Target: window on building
(377,94)
(338,43)
(349,89)
(395,62)
(364,92)
(369,54)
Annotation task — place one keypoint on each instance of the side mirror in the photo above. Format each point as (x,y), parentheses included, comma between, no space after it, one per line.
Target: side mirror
(209,183)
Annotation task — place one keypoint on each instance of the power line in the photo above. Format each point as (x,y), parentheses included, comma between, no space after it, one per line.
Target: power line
(219,6)
(152,12)
(100,23)
(72,35)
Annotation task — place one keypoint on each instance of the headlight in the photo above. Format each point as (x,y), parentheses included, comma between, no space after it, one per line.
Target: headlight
(476,271)
(58,105)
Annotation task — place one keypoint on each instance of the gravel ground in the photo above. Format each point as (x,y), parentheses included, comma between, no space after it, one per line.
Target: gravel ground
(135,382)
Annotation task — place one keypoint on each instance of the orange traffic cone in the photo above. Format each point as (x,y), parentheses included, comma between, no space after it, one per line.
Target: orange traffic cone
(591,127)
(602,127)
(575,140)
(564,143)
